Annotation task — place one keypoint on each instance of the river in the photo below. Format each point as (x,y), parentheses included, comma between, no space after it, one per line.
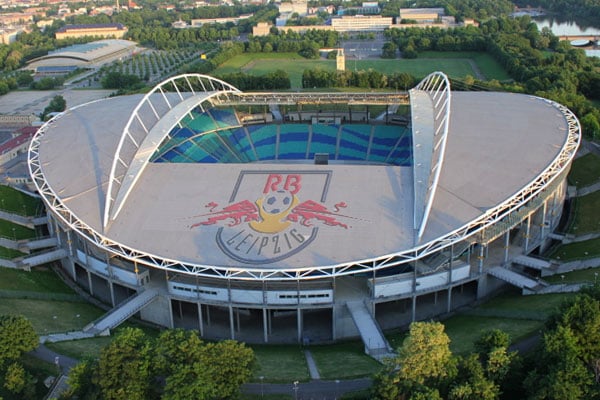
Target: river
(561,28)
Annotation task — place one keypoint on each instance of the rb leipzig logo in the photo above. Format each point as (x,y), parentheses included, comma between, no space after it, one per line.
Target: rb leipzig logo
(269,217)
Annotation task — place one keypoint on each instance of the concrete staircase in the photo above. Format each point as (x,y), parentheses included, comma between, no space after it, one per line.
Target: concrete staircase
(42,258)
(36,244)
(531,262)
(122,312)
(375,343)
(515,279)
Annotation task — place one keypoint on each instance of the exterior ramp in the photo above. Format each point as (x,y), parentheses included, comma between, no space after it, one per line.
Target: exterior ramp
(122,312)
(531,262)
(42,258)
(514,278)
(375,343)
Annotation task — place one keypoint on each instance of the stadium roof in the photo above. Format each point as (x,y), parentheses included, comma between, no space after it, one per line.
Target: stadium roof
(497,144)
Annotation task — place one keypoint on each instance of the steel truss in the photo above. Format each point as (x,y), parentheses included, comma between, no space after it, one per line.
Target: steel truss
(150,110)
(470,231)
(437,86)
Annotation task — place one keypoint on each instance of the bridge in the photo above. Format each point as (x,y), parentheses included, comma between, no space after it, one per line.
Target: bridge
(572,38)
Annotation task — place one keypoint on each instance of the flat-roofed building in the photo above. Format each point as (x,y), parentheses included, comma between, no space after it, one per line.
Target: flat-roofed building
(362,23)
(116,31)
(421,14)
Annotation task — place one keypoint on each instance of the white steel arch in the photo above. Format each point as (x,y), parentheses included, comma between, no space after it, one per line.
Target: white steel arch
(472,230)
(175,97)
(429,142)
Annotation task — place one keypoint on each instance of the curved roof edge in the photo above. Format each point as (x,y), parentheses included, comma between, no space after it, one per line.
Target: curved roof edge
(430,113)
(555,171)
(150,122)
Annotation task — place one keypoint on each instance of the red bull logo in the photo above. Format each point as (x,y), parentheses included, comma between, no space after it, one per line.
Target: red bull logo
(276,221)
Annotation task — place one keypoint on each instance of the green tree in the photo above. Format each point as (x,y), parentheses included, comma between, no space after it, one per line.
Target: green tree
(230,364)
(57,104)
(190,381)
(425,354)
(15,378)
(590,125)
(471,382)
(559,373)
(124,367)
(17,336)
(82,379)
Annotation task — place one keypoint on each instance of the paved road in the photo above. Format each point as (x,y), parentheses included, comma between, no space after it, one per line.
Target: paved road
(313,390)
(45,354)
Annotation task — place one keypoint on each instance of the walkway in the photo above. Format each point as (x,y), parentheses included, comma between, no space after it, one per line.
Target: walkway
(29,222)
(375,343)
(122,312)
(312,366)
(313,390)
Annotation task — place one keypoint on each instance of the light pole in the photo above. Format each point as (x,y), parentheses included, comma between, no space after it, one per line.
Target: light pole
(262,393)
(14,235)
(337,384)
(296,390)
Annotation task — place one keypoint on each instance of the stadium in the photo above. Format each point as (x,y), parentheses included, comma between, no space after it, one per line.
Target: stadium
(302,216)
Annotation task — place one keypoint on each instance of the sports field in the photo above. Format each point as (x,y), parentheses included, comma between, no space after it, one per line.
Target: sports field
(454,64)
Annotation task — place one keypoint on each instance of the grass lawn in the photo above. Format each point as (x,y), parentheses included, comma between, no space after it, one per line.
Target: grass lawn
(82,348)
(261,64)
(464,330)
(525,307)
(486,63)
(455,64)
(590,275)
(519,316)
(587,218)
(343,361)
(45,281)
(585,170)
(576,251)
(10,254)
(17,202)
(280,363)
(52,316)
(14,231)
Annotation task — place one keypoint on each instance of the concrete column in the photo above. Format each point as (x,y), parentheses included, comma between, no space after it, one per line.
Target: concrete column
(449,308)
(480,258)
(89,276)
(237,319)
(112,293)
(57,232)
(171,321)
(506,245)
(450,264)
(265,326)
(543,224)
(299,320)
(333,323)
(207,315)
(231,325)
(180,310)
(269,322)
(200,322)
(527,233)
(413,317)
(70,243)
(50,224)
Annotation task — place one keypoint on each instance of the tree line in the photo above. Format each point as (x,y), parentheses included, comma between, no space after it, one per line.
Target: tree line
(176,365)
(536,60)
(565,364)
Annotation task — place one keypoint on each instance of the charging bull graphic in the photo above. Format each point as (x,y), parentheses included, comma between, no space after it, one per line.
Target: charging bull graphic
(276,221)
